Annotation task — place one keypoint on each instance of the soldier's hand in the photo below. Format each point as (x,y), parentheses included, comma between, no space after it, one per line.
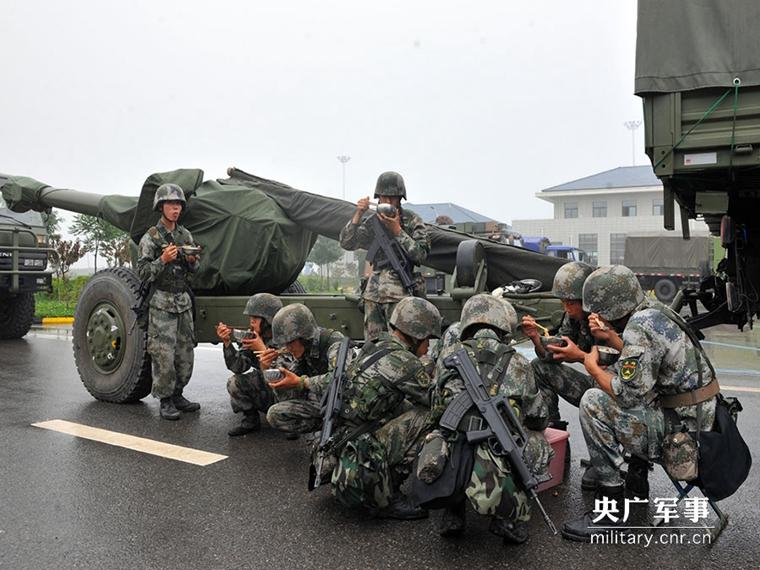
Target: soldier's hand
(169,254)
(393,223)
(269,356)
(600,329)
(529,327)
(363,204)
(253,343)
(192,258)
(289,380)
(223,332)
(569,353)
(591,361)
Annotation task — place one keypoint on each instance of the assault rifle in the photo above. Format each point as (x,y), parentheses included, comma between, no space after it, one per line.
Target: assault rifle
(331,404)
(393,251)
(497,423)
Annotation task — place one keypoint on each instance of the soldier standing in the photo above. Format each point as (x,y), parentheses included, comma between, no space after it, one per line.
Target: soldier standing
(486,329)
(658,366)
(384,288)
(249,393)
(171,333)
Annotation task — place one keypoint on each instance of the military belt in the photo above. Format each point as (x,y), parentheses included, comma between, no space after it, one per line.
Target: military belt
(172,288)
(691,398)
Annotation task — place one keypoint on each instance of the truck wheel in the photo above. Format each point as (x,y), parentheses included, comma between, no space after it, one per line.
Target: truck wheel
(665,290)
(16,315)
(295,288)
(110,354)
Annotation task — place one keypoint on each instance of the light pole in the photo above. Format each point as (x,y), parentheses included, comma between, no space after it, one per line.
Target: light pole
(343,159)
(632,126)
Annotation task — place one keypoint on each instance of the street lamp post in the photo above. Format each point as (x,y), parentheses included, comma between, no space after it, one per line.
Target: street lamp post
(343,159)
(632,126)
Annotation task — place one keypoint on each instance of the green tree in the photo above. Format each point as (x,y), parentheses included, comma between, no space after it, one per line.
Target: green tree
(325,252)
(97,233)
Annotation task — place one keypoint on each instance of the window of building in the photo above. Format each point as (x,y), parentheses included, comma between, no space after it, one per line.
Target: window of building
(589,244)
(571,209)
(657,207)
(617,248)
(629,208)
(599,209)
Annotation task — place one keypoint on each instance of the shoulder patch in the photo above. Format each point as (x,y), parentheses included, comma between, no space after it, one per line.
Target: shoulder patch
(629,368)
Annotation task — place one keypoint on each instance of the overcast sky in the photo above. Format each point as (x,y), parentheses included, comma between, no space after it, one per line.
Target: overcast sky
(480,103)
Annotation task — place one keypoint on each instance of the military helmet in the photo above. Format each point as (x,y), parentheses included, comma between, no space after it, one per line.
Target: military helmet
(417,318)
(167,192)
(511,313)
(485,309)
(293,322)
(569,279)
(612,292)
(264,305)
(390,184)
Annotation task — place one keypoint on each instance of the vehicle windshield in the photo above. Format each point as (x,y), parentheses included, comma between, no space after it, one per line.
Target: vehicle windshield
(30,218)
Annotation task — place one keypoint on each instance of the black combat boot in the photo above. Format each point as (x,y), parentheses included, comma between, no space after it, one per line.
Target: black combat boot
(590,480)
(251,422)
(513,532)
(185,405)
(582,528)
(452,521)
(402,509)
(168,411)
(636,481)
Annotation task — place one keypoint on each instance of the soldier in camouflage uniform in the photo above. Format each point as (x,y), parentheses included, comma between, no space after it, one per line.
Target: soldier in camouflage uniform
(385,413)
(384,288)
(249,393)
(486,329)
(314,350)
(657,360)
(171,333)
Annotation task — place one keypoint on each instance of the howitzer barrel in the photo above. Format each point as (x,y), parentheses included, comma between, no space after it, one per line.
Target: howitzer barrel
(23,194)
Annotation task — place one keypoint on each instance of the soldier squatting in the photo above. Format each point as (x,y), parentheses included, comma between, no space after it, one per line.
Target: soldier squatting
(390,433)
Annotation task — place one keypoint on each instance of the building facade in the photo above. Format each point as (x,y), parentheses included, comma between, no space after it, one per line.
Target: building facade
(595,213)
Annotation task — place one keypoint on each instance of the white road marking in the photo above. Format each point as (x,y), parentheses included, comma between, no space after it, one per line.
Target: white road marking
(740,389)
(144,445)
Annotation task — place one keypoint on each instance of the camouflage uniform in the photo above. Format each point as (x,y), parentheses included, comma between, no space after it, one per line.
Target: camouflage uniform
(492,490)
(248,390)
(556,378)
(298,411)
(657,359)
(384,289)
(389,399)
(171,333)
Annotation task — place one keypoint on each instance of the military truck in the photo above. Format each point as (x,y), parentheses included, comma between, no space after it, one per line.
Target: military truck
(698,73)
(256,235)
(23,263)
(667,264)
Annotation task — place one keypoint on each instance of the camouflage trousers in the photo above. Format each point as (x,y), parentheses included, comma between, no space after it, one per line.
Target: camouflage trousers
(249,392)
(171,340)
(376,317)
(297,414)
(556,379)
(606,427)
(372,467)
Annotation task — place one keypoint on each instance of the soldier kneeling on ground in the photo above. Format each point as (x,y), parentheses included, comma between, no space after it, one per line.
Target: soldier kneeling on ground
(249,392)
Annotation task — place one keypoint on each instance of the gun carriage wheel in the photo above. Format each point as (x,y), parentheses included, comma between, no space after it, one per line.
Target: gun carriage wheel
(110,353)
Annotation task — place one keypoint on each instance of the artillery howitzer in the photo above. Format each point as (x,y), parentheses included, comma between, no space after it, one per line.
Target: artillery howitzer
(256,235)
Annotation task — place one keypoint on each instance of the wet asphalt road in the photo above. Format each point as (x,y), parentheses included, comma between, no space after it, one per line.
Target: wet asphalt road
(70,503)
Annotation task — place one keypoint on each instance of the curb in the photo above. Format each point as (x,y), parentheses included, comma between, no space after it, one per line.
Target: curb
(57,320)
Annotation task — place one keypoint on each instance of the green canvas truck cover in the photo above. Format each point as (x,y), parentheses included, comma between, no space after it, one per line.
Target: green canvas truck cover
(692,44)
